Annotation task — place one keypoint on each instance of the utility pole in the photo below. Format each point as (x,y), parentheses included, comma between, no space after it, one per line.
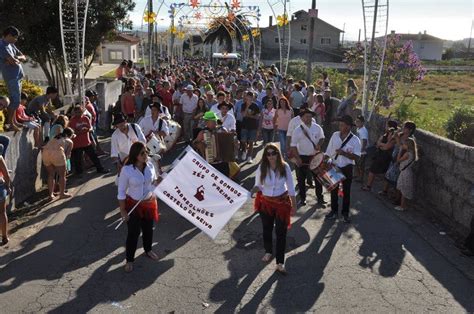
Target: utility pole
(313,14)
(343,32)
(150,35)
(469,42)
(358,40)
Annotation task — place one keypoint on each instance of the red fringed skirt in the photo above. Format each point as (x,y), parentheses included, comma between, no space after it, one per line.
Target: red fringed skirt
(279,206)
(147,209)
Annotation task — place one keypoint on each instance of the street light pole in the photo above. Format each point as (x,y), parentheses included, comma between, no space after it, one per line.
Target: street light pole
(150,34)
(313,14)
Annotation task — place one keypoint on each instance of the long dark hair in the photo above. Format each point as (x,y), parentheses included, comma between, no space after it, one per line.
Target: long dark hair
(265,165)
(135,151)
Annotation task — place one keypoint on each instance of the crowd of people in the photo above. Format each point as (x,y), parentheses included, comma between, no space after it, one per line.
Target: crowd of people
(250,106)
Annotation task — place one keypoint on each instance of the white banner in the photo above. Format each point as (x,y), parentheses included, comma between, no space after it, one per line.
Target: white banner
(201,194)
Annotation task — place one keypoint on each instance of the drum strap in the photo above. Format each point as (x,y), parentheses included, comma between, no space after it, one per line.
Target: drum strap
(309,138)
(348,138)
(134,127)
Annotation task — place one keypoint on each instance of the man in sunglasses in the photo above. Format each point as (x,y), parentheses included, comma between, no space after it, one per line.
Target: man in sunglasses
(12,71)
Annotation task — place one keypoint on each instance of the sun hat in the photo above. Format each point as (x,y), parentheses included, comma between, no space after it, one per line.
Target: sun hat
(210,116)
(189,87)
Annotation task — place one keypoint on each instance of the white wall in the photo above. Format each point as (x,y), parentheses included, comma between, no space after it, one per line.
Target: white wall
(123,48)
(428,49)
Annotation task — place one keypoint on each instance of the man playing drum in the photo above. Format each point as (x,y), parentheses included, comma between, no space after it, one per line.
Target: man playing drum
(306,141)
(343,149)
(122,139)
(154,124)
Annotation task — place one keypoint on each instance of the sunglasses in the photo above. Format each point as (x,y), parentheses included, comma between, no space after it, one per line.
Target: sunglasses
(272,153)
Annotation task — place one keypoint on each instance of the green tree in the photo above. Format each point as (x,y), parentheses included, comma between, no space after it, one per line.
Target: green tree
(41,36)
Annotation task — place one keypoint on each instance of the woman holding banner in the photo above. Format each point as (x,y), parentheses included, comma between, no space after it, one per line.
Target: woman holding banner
(275,201)
(136,184)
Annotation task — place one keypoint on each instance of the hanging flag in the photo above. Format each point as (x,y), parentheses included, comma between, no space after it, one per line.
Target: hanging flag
(201,194)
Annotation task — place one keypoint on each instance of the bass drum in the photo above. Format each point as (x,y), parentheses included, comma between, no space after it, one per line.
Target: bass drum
(175,133)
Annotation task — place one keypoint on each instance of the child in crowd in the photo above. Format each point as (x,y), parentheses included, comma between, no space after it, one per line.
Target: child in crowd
(28,121)
(363,136)
(54,159)
(406,180)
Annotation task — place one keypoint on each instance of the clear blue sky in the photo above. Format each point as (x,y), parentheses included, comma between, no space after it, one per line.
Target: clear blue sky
(448,19)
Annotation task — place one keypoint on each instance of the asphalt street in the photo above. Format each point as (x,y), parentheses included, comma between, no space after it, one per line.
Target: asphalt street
(67,260)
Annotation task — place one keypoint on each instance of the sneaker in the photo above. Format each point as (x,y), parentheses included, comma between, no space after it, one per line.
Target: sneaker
(399,208)
(321,201)
(331,216)
(346,219)
(250,160)
(244,155)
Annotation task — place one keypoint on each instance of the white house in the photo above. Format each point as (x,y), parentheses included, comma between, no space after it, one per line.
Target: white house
(427,47)
(326,39)
(123,47)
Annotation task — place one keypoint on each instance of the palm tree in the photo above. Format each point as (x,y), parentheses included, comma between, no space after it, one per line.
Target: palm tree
(225,29)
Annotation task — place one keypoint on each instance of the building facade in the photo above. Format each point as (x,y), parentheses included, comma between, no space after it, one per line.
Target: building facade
(123,47)
(326,45)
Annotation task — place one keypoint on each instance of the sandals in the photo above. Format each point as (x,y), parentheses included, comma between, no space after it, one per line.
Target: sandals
(267,257)
(152,255)
(366,188)
(280,268)
(128,267)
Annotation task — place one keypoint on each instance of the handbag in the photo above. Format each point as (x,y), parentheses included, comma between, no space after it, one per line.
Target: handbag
(392,173)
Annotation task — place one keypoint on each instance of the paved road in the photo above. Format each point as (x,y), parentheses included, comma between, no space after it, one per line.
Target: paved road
(66,260)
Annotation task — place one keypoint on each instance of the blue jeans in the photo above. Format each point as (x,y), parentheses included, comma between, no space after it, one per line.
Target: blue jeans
(282,139)
(14,92)
(4,141)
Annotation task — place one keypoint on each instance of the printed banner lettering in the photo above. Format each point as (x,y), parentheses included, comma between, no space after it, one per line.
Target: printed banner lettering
(201,194)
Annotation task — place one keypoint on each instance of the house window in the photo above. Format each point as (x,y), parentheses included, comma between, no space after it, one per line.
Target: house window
(133,54)
(115,55)
(325,41)
(276,40)
(303,41)
(304,27)
(422,46)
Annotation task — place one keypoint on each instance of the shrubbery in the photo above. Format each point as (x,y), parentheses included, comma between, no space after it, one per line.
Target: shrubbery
(460,125)
(27,87)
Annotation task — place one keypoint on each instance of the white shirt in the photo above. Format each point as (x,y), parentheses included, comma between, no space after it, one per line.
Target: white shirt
(189,103)
(134,183)
(363,134)
(302,143)
(353,146)
(292,125)
(147,125)
(165,113)
(218,112)
(121,143)
(274,184)
(228,122)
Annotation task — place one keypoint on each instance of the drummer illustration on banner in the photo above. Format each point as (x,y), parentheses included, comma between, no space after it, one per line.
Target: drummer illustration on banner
(306,142)
(122,139)
(343,149)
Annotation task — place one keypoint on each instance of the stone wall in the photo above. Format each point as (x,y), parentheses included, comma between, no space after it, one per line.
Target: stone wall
(25,163)
(445,175)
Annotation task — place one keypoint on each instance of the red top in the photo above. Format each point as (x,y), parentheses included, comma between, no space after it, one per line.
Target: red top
(81,126)
(167,96)
(91,109)
(21,115)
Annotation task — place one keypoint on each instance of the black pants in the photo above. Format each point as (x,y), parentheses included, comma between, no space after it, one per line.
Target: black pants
(135,225)
(346,187)
(280,230)
(76,158)
(301,175)
(469,243)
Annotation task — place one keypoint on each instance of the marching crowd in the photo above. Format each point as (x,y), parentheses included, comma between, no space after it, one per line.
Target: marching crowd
(316,134)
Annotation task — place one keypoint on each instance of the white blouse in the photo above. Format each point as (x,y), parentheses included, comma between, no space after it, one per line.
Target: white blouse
(274,184)
(134,183)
